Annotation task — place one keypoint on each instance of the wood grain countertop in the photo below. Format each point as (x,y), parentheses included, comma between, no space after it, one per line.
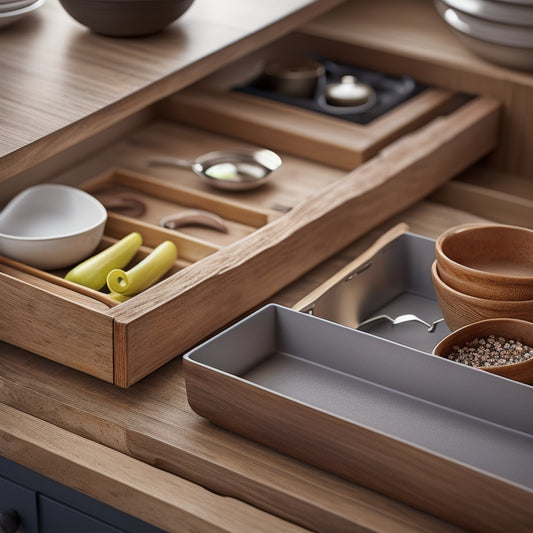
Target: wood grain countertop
(143,450)
(61,83)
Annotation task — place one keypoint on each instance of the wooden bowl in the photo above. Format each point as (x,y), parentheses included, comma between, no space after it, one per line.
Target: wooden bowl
(460,309)
(125,18)
(492,261)
(508,328)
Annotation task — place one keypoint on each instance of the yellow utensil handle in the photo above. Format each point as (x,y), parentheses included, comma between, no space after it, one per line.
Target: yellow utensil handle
(145,273)
(93,271)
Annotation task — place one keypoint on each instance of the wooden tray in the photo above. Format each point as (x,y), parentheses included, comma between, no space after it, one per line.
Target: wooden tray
(89,328)
(213,104)
(346,401)
(332,199)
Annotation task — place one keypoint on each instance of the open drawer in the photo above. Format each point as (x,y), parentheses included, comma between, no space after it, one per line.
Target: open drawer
(338,180)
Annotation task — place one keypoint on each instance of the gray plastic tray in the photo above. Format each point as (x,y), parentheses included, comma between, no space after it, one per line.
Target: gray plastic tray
(396,281)
(422,429)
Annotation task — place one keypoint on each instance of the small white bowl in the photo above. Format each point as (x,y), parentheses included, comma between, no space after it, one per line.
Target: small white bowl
(51,226)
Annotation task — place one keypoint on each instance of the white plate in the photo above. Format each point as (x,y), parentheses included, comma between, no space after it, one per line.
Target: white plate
(504,13)
(15,6)
(11,16)
(486,31)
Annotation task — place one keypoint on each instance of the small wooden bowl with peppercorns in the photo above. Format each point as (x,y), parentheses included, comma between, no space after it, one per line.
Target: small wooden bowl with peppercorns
(502,346)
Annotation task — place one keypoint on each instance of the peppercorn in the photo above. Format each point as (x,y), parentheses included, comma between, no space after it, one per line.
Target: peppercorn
(491,351)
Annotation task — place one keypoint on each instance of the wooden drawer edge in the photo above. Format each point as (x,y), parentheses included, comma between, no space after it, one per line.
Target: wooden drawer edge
(56,327)
(485,202)
(128,484)
(183,309)
(281,127)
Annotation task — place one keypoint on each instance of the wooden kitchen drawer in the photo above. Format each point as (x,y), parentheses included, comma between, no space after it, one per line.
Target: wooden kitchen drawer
(338,180)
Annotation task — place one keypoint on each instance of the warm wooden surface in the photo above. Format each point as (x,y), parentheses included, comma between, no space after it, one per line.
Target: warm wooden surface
(93,354)
(55,73)
(408,37)
(311,135)
(152,422)
(143,491)
(328,212)
(402,174)
(482,190)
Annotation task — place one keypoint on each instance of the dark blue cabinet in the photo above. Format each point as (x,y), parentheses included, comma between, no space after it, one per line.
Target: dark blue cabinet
(41,505)
(21,503)
(53,514)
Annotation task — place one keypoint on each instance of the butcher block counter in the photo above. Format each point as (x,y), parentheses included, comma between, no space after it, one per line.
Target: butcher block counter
(74,105)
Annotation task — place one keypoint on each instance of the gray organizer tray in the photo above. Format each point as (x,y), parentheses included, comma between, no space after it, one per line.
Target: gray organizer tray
(396,281)
(417,427)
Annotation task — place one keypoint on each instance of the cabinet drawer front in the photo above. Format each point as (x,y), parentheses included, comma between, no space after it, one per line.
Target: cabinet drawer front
(23,501)
(55,516)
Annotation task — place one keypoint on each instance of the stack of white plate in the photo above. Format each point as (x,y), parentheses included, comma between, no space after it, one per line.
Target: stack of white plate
(500,31)
(13,10)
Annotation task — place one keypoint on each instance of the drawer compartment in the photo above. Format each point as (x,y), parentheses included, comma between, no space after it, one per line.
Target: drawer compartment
(338,180)
(389,294)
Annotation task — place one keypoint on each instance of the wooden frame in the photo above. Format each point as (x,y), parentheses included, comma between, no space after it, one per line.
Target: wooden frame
(123,343)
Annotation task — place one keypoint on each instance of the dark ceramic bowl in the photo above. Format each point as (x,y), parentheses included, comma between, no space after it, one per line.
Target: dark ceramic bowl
(125,18)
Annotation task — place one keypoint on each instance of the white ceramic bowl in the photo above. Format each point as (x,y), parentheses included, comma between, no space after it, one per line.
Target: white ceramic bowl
(9,17)
(15,5)
(495,11)
(504,44)
(51,226)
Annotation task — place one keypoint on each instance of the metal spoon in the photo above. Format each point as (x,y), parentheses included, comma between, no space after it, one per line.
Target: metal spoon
(228,169)
(400,320)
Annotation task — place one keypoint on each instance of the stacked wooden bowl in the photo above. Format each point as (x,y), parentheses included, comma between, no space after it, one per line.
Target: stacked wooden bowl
(484,271)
